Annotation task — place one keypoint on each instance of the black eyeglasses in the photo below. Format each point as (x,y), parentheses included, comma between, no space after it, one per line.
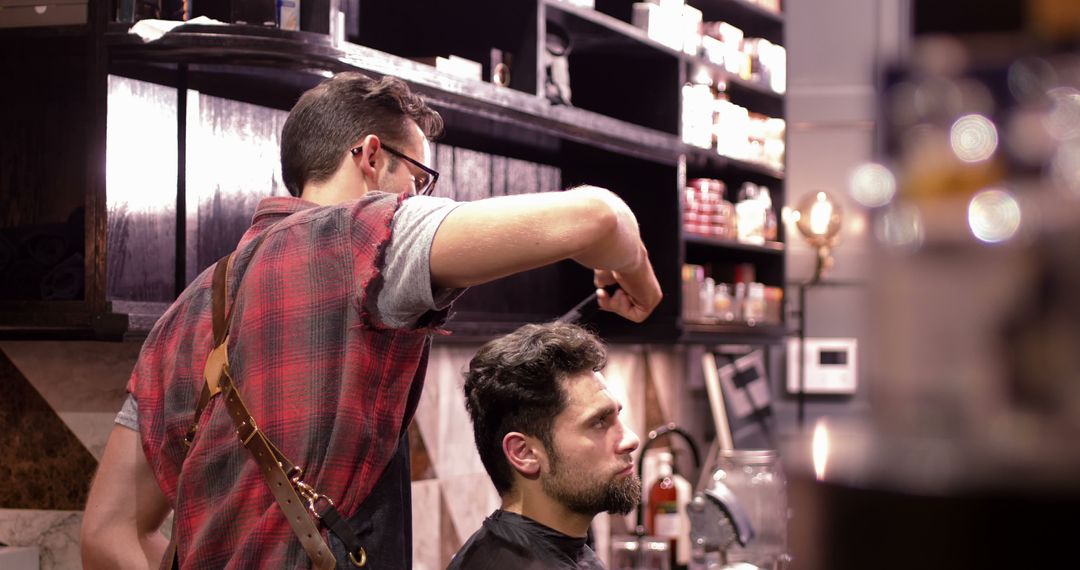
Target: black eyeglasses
(423,184)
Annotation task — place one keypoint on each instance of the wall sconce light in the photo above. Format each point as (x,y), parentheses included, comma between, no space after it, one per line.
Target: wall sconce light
(819,219)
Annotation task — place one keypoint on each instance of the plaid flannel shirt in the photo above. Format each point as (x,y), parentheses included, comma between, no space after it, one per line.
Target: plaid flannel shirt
(331,385)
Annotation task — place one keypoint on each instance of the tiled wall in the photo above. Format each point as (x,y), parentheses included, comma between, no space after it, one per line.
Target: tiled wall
(63,396)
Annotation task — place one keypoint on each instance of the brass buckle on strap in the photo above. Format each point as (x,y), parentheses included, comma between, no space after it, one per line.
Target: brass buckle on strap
(251,430)
(307,492)
(312,497)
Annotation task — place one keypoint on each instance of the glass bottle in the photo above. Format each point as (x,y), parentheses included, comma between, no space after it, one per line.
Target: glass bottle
(723,304)
(663,507)
(750,214)
(769,227)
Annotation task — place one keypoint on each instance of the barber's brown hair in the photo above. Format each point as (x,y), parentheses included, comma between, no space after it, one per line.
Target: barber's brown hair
(333,115)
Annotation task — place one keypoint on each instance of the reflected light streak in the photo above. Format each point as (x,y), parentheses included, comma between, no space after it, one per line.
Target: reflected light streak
(993,216)
(140,160)
(974,138)
(820,450)
(872,185)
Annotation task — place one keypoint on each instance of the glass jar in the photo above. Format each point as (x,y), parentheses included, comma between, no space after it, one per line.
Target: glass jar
(757,481)
(640,553)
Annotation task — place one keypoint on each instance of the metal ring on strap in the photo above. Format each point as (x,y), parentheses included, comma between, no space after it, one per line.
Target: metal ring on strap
(363,558)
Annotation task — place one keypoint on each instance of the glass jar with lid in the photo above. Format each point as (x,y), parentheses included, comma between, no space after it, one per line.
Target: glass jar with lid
(756,479)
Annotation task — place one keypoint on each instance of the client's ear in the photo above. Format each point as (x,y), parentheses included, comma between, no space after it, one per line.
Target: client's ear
(522,453)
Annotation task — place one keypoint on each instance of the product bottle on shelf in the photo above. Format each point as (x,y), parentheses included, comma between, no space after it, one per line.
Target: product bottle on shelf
(707,303)
(750,214)
(723,304)
(769,229)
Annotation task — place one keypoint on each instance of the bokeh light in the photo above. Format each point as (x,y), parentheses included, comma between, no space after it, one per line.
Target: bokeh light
(1063,121)
(1030,78)
(973,138)
(993,216)
(872,185)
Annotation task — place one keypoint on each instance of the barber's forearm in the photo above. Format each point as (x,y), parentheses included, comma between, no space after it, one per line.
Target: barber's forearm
(153,546)
(115,551)
(615,245)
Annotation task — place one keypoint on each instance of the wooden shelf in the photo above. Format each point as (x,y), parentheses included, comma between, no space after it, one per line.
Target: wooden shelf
(46,32)
(707,159)
(620,133)
(753,95)
(715,333)
(768,248)
(266,52)
(741,10)
(751,18)
(615,32)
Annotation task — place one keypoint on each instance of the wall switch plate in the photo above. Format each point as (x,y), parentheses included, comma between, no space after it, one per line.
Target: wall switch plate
(831,365)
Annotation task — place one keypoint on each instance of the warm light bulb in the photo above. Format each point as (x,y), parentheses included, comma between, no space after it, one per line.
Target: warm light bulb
(819,219)
(820,215)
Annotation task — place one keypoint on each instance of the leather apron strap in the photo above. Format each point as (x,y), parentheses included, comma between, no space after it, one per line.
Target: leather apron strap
(301,504)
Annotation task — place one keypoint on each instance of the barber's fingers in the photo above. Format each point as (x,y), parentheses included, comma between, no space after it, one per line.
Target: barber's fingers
(603,278)
(625,304)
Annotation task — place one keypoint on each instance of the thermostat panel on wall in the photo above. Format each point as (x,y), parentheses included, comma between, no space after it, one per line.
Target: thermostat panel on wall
(831,365)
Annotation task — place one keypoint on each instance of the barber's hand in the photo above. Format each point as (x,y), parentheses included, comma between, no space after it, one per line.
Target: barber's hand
(638,294)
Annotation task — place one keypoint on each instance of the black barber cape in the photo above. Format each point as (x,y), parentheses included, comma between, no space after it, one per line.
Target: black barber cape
(511,541)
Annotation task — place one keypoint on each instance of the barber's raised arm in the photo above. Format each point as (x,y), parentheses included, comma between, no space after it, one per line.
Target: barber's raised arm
(487,239)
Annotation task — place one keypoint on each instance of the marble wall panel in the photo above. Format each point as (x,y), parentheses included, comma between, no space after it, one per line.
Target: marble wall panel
(56,533)
(82,381)
(426,526)
(44,465)
(469,499)
(457,453)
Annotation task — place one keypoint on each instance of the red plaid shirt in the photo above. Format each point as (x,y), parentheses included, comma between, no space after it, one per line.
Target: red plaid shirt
(331,385)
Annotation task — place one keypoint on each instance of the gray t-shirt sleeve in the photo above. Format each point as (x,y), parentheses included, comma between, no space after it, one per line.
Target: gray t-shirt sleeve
(129,414)
(408,293)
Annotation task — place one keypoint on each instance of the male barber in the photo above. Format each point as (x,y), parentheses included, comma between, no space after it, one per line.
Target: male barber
(334,294)
(550,437)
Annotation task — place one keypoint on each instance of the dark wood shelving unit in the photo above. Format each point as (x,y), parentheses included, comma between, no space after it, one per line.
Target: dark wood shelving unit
(731,333)
(746,15)
(768,248)
(706,159)
(622,132)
